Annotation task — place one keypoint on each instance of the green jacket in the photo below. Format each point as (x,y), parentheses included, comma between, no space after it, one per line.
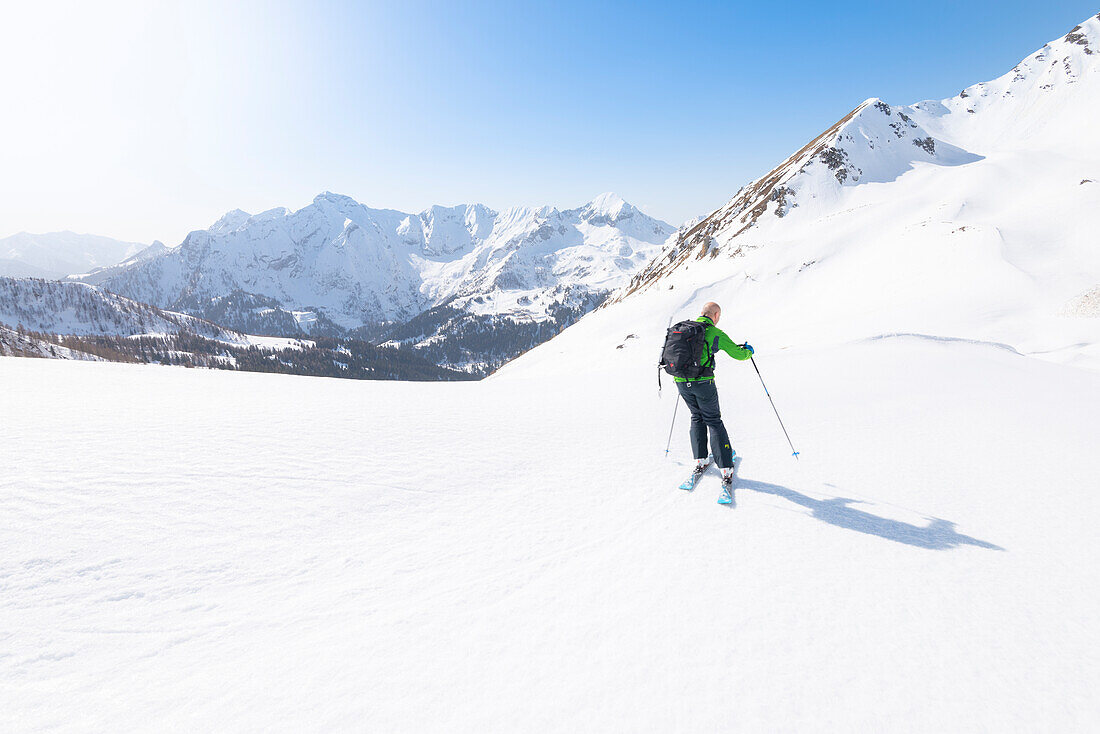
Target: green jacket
(716,341)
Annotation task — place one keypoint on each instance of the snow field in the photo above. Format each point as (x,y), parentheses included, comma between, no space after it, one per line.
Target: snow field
(190,549)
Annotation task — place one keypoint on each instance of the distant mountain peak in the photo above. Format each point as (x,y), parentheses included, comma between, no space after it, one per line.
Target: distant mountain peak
(608,203)
(274,213)
(362,266)
(231,220)
(339,201)
(607,208)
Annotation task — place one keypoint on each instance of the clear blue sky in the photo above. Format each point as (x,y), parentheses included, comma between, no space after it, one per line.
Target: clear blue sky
(144,123)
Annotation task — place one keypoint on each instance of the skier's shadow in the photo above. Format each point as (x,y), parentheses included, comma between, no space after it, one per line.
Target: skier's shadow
(936,535)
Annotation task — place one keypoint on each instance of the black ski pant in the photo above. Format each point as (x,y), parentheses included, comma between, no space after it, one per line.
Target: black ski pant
(701,397)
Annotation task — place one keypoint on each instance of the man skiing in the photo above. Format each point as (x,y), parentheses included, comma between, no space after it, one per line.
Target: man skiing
(701,395)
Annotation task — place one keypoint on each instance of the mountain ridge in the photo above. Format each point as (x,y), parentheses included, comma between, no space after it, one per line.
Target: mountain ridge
(878,143)
(339,265)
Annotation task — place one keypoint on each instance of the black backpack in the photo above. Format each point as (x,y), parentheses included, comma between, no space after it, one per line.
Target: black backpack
(682,355)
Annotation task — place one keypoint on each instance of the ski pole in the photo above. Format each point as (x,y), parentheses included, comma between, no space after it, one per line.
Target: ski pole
(793,452)
(669,444)
(675,407)
(659,365)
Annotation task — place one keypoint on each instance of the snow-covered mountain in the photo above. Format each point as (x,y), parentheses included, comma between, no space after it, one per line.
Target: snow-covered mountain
(57,254)
(339,266)
(98,275)
(974,216)
(55,307)
(359,265)
(462,287)
(21,344)
(529,252)
(64,320)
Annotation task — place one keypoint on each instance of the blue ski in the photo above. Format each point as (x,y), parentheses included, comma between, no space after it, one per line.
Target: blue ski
(690,482)
(726,498)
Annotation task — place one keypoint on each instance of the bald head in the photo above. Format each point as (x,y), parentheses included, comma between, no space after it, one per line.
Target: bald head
(713,312)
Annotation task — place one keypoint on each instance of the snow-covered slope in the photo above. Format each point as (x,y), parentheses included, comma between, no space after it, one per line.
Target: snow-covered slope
(975,216)
(300,565)
(76,308)
(57,254)
(17,344)
(359,266)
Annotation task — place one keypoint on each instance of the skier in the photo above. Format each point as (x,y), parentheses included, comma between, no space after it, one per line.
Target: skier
(701,395)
